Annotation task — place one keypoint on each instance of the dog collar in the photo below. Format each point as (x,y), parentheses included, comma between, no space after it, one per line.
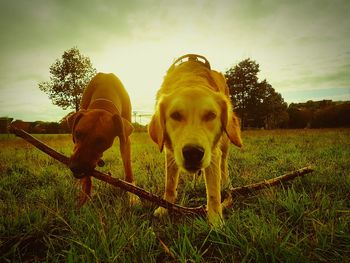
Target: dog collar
(104,104)
(189,57)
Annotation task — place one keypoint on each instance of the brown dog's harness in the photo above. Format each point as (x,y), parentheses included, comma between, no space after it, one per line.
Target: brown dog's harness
(189,57)
(104,104)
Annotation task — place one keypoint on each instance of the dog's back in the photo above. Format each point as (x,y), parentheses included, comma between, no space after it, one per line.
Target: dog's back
(107,86)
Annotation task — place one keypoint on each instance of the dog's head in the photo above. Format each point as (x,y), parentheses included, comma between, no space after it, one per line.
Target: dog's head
(190,122)
(93,132)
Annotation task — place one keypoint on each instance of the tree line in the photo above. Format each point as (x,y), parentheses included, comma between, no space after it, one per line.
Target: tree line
(319,114)
(42,127)
(259,106)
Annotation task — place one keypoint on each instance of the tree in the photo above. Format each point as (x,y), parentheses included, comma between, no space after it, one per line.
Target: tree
(270,108)
(256,103)
(241,80)
(69,77)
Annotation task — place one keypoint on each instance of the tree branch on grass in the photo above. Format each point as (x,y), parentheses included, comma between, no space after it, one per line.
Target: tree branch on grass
(248,189)
(244,190)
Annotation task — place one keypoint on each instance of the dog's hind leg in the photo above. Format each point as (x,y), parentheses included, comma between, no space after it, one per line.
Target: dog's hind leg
(125,150)
(224,147)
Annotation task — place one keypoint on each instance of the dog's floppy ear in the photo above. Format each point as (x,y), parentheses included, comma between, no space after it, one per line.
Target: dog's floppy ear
(123,127)
(73,119)
(156,128)
(230,123)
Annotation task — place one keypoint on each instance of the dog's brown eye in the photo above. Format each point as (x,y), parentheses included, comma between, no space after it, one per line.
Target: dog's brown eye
(176,116)
(209,116)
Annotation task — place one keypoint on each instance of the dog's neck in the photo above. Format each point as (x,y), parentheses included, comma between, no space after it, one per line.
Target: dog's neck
(104,104)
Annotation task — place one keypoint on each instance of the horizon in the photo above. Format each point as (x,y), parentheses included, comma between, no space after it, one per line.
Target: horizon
(147,115)
(302,48)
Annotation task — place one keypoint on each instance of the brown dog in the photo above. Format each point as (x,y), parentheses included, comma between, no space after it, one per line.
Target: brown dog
(194,120)
(105,113)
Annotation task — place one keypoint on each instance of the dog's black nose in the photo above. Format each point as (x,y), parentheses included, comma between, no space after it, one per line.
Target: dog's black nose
(100,163)
(78,169)
(193,155)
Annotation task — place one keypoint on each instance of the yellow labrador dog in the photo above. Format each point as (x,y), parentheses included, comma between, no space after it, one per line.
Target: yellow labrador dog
(195,122)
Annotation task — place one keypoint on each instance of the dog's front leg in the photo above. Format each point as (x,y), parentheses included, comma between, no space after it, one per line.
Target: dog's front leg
(213,183)
(171,182)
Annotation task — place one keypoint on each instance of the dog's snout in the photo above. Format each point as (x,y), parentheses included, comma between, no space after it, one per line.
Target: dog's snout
(193,154)
(78,169)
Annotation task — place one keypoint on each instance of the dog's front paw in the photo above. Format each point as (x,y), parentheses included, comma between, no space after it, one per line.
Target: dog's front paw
(215,218)
(216,222)
(160,212)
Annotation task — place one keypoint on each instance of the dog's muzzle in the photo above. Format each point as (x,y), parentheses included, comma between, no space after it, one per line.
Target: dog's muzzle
(193,156)
(80,170)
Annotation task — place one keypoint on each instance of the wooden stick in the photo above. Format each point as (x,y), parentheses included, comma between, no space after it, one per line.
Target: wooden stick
(243,190)
(108,179)
(248,189)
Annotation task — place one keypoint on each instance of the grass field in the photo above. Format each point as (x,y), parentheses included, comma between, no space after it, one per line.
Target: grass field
(306,221)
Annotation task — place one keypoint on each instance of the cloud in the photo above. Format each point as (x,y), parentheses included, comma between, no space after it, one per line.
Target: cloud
(332,74)
(27,26)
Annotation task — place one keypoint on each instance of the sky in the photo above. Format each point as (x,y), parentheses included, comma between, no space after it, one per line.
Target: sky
(302,47)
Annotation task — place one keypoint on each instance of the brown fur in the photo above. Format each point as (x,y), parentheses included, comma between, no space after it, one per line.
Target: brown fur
(105,113)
